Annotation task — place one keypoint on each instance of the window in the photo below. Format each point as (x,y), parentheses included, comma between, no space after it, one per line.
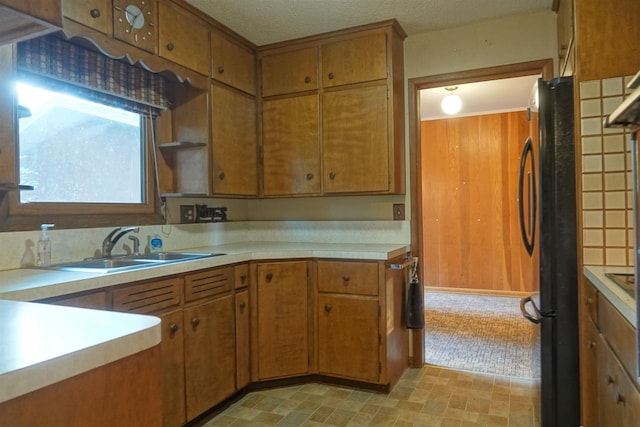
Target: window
(72,150)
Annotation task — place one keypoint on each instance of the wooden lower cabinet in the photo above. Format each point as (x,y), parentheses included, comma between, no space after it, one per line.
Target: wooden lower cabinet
(209,341)
(348,337)
(589,380)
(280,320)
(243,339)
(172,352)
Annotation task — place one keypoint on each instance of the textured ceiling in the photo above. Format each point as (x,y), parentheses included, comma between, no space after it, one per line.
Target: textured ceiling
(269,21)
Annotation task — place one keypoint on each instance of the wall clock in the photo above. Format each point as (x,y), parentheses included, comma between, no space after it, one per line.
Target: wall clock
(134,23)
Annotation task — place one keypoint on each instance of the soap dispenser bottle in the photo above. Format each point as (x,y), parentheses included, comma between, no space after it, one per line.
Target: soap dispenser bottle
(44,246)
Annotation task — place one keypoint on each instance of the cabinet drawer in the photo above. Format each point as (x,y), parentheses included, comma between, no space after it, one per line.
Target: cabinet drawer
(208,283)
(289,72)
(148,297)
(619,333)
(348,277)
(590,300)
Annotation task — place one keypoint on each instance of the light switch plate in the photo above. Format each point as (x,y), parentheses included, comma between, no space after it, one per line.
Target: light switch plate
(398,212)
(187,214)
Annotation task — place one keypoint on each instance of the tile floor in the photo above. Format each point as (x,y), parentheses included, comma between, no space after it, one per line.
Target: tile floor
(430,396)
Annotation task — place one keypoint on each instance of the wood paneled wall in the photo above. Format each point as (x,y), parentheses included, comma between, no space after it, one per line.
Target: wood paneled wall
(470,212)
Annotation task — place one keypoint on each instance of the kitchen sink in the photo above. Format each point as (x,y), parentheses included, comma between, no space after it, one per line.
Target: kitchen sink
(130,262)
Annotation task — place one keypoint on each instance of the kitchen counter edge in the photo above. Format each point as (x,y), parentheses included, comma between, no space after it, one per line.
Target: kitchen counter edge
(612,292)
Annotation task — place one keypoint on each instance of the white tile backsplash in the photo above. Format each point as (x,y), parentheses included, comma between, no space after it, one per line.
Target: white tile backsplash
(612,86)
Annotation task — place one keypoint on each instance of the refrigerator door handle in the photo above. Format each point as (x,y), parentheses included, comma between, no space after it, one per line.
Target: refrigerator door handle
(528,231)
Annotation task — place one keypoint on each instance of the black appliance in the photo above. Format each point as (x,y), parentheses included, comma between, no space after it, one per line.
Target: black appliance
(548,189)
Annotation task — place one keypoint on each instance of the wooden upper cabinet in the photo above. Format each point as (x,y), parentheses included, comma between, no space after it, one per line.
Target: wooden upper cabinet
(183,38)
(290,72)
(234,142)
(354,60)
(24,19)
(356,140)
(232,63)
(96,14)
(291,146)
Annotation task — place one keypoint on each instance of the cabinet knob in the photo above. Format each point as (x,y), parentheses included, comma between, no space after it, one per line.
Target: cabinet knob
(346,278)
(307,79)
(589,301)
(243,277)
(170,46)
(269,276)
(610,379)
(195,321)
(95,13)
(620,398)
(327,307)
(174,328)
(221,176)
(309,176)
(591,344)
(221,69)
(331,76)
(332,175)
(242,304)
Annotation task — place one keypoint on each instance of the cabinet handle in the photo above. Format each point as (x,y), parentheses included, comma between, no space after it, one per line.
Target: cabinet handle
(95,13)
(331,76)
(170,46)
(307,79)
(269,276)
(174,328)
(242,304)
(243,277)
(195,321)
(620,398)
(327,307)
(221,69)
(332,175)
(611,379)
(309,176)
(221,176)
(346,278)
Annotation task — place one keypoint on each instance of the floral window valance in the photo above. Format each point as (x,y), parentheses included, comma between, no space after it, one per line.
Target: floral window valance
(60,65)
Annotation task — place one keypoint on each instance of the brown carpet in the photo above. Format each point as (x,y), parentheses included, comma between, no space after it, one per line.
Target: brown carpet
(480,333)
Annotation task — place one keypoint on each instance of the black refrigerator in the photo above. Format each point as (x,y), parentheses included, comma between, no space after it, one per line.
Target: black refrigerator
(547,201)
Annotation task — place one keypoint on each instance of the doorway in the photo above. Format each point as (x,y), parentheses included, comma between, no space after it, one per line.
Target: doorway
(415,86)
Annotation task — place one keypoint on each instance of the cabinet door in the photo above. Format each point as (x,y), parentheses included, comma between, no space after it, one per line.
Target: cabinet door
(243,355)
(609,377)
(282,324)
(183,38)
(234,142)
(232,63)
(94,14)
(355,140)
(289,72)
(291,146)
(209,354)
(354,60)
(348,340)
(172,350)
(589,380)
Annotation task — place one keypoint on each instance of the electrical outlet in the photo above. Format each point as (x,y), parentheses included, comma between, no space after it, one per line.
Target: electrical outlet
(398,211)
(187,214)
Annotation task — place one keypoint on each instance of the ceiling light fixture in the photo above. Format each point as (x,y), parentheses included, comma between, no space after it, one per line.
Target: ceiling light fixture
(451,104)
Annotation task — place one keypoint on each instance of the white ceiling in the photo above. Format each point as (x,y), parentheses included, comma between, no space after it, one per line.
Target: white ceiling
(269,21)
(480,98)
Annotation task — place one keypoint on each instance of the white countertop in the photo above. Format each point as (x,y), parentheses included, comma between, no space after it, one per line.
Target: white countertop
(612,292)
(42,344)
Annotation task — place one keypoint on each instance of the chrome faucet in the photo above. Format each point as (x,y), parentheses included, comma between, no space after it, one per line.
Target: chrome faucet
(112,238)
(136,245)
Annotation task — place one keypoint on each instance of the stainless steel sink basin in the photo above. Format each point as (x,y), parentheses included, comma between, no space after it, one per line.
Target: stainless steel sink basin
(130,262)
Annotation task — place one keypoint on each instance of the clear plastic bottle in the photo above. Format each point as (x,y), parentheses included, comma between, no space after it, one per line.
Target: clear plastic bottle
(155,245)
(44,246)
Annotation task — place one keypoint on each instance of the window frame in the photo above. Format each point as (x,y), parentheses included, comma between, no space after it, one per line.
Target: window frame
(16,216)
